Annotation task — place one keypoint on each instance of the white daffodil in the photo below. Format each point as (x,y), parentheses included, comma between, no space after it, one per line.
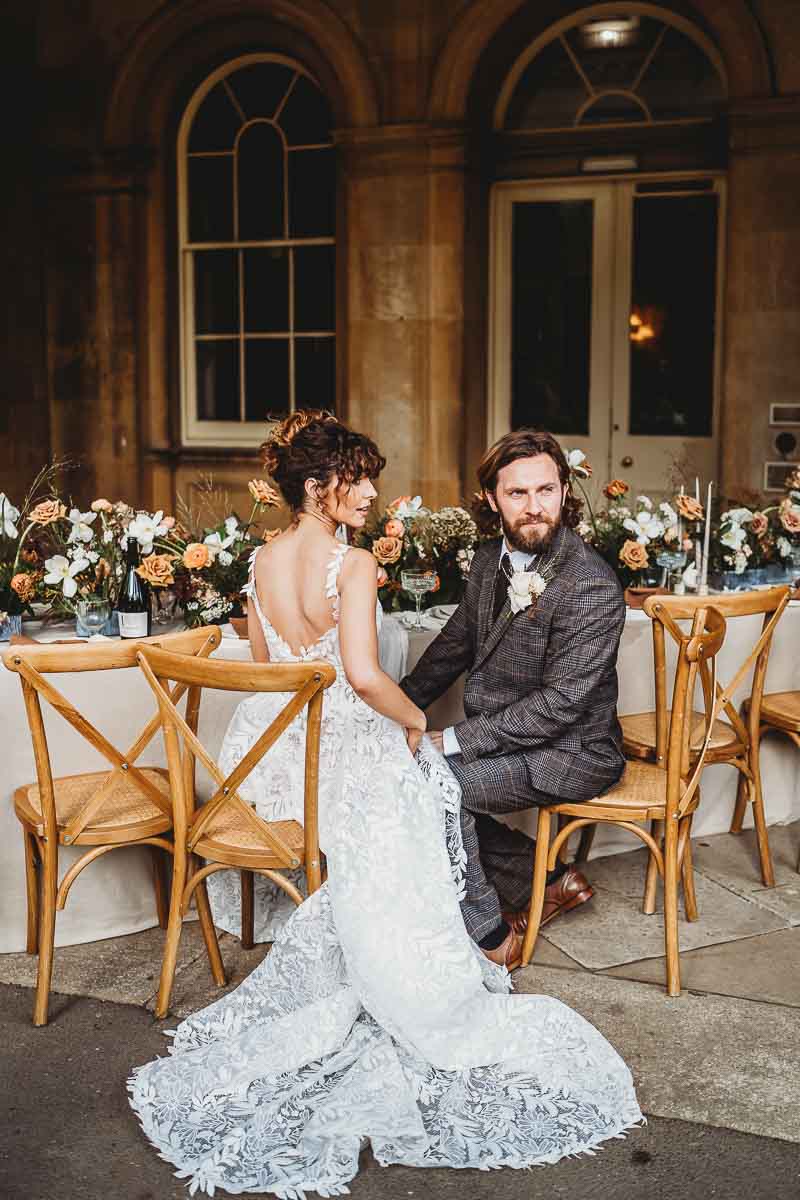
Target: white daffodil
(61,571)
(576,461)
(216,544)
(146,528)
(9,515)
(645,526)
(81,525)
(645,501)
(734,536)
(784,547)
(737,516)
(406,507)
(231,527)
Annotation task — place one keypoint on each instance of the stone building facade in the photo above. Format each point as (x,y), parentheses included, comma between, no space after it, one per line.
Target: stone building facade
(96,94)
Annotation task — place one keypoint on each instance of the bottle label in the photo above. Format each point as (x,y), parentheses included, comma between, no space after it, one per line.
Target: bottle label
(133,625)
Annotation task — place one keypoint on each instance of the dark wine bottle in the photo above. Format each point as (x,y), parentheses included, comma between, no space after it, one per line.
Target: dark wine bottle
(133,604)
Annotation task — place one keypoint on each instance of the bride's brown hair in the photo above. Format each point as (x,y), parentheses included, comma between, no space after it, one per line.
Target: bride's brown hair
(313,444)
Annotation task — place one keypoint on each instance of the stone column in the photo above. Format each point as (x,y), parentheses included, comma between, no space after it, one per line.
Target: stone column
(91,270)
(762,309)
(403,246)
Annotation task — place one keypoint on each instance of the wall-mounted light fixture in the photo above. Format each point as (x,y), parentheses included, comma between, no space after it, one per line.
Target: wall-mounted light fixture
(609,32)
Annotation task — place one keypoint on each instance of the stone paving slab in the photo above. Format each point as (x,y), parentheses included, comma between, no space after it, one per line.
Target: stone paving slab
(765,969)
(732,860)
(715,1060)
(612,929)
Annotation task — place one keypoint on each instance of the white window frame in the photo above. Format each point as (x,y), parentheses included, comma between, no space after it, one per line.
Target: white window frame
(242,433)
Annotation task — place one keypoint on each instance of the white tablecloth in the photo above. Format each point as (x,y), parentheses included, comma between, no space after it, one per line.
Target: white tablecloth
(114,894)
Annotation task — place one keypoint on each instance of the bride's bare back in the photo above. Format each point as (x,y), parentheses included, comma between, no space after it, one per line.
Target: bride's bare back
(290,580)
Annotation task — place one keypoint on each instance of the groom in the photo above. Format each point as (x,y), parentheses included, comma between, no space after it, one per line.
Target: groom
(541,688)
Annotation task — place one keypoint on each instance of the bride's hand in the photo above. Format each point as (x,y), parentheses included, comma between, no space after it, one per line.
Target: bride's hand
(414,737)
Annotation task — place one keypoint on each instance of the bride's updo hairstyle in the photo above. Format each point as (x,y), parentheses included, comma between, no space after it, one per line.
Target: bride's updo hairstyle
(313,444)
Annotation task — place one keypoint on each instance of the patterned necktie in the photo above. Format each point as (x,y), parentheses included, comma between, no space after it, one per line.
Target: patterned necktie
(501,586)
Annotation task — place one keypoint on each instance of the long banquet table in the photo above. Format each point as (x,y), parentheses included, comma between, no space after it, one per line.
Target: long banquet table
(114,895)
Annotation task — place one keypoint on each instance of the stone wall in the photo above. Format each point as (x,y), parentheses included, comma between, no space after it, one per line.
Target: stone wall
(89,335)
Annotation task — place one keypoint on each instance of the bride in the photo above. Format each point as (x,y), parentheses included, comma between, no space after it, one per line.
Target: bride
(374,1018)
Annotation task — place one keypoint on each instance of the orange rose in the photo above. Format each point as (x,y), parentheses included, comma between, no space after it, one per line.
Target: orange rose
(759,524)
(689,508)
(269,534)
(101,505)
(398,500)
(437,583)
(196,556)
(387,549)
(48,511)
(617,487)
(156,569)
(25,586)
(383,578)
(394,528)
(633,556)
(262,493)
(790,517)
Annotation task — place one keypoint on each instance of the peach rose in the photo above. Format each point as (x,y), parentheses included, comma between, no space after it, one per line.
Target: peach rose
(156,569)
(101,505)
(196,556)
(262,493)
(25,586)
(394,528)
(269,534)
(689,508)
(383,577)
(48,511)
(387,549)
(617,487)
(790,517)
(633,556)
(759,524)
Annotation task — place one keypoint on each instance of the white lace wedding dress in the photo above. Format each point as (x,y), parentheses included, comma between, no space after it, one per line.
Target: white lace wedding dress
(374,1017)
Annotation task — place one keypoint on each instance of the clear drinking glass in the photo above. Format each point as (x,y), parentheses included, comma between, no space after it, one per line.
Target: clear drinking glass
(93,612)
(417,583)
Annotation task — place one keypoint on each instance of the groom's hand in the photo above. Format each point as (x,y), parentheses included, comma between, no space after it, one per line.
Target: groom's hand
(437,737)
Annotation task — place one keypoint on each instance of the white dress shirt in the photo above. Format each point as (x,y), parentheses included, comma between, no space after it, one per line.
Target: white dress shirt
(520,561)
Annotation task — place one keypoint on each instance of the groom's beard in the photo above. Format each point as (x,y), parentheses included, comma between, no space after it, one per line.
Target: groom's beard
(528,537)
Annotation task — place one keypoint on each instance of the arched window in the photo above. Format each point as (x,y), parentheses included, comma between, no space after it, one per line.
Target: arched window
(257,250)
(631,65)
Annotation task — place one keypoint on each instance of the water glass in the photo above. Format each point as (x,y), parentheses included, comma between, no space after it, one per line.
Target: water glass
(93,614)
(417,583)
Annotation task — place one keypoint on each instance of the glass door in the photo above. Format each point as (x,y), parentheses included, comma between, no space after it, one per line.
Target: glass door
(604,322)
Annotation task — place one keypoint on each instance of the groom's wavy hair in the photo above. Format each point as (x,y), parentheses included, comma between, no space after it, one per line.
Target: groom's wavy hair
(522,443)
(313,444)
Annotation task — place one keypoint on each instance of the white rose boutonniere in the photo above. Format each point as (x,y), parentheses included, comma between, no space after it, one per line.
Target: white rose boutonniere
(523,588)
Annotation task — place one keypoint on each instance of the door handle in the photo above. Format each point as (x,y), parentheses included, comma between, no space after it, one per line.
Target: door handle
(627,461)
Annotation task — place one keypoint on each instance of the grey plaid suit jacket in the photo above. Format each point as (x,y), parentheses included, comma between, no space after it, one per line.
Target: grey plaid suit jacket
(541,686)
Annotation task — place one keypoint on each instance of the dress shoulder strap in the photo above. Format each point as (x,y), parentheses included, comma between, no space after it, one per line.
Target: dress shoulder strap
(332,577)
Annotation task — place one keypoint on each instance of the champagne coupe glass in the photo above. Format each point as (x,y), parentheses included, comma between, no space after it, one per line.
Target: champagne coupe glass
(671,561)
(417,583)
(94,612)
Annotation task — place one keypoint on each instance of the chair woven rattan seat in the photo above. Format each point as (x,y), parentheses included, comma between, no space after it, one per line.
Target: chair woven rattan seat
(123,810)
(782,709)
(639,734)
(643,786)
(230,828)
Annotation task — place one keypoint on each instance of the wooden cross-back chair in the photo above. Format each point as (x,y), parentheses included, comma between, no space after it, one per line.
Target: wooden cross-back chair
(780,713)
(734,740)
(649,793)
(226,831)
(126,805)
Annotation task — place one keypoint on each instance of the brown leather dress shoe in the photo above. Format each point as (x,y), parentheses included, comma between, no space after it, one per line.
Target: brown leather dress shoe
(507,954)
(568,891)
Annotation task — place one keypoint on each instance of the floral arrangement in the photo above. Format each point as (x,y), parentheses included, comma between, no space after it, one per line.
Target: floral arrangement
(21,573)
(409,536)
